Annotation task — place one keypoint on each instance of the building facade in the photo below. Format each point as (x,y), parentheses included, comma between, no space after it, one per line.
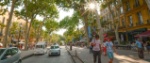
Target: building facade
(133,17)
(3,21)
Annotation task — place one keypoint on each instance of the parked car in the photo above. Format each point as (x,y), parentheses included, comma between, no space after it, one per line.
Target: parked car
(10,55)
(54,50)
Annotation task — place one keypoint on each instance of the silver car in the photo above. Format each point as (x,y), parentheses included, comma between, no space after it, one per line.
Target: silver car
(10,55)
(54,50)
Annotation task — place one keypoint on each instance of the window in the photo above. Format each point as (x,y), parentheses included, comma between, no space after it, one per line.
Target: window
(1,51)
(123,23)
(116,2)
(140,18)
(7,54)
(149,12)
(136,3)
(54,47)
(14,51)
(130,20)
(39,46)
(121,9)
(128,6)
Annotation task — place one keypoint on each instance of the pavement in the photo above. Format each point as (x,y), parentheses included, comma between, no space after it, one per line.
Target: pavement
(26,53)
(82,55)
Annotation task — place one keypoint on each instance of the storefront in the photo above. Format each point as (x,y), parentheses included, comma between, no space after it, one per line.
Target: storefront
(130,35)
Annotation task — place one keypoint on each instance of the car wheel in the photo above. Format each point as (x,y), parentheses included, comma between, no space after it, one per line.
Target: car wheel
(59,53)
(49,55)
(20,61)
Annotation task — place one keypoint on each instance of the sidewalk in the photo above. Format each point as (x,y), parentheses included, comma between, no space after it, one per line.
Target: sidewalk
(27,53)
(125,56)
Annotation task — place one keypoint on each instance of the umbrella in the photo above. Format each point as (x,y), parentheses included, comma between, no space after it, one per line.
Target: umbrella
(21,42)
(1,44)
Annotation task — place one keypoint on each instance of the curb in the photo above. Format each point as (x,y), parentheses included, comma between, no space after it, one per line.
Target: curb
(70,55)
(25,57)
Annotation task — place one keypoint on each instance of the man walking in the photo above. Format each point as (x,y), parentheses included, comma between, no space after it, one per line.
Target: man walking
(96,44)
(109,50)
(140,49)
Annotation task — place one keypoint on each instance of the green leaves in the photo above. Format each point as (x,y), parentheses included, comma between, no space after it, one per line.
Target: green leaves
(14,28)
(70,22)
(50,25)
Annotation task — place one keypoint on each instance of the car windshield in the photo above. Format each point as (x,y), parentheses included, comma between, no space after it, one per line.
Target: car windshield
(1,51)
(39,46)
(54,47)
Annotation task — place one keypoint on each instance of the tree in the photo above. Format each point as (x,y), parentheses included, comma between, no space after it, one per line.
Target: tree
(36,25)
(33,8)
(78,6)
(14,28)
(148,3)
(115,22)
(68,22)
(13,2)
(51,25)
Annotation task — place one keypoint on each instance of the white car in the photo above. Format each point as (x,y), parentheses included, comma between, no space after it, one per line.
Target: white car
(54,50)
(10,55)
(40,48)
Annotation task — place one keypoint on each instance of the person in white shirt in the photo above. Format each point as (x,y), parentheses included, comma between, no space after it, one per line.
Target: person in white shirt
(96,44)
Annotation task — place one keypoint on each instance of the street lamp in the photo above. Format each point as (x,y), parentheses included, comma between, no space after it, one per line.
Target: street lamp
(95,6)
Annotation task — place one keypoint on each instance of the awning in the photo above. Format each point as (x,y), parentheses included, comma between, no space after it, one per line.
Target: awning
(144,34)
(1,44)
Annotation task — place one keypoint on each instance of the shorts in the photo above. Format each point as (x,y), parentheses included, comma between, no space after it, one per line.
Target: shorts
(110,55)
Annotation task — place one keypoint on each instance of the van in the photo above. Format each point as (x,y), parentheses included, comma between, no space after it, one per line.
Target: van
(40,48)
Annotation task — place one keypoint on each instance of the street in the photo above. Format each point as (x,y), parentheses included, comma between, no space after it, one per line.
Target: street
(63,58)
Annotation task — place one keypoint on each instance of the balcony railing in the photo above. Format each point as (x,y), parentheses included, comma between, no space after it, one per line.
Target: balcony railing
(131,25)
(121,27)
(148,21)
(139,23)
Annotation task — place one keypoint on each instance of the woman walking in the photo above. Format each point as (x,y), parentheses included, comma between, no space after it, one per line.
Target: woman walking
(96,44)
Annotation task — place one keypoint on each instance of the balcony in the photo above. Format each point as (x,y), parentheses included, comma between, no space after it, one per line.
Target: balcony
(121,27)
(148,21)
(139,23)
(131,25)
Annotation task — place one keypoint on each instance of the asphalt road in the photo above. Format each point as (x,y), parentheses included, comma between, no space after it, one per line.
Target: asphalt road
(63,58)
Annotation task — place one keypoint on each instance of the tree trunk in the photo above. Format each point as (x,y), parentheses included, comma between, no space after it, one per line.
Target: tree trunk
(3,21)
(27,34)
(115,26)
(9,23)
(37,35)
(100,29)
(26,39)
(117,36)
(148,3)
(86,29)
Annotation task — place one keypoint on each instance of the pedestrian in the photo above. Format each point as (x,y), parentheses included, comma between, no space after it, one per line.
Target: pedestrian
(140,47)
(148,47)
(96,44)
(110,49)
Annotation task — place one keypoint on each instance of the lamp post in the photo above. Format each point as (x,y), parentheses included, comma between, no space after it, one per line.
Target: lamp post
(20,25)
(95,6)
